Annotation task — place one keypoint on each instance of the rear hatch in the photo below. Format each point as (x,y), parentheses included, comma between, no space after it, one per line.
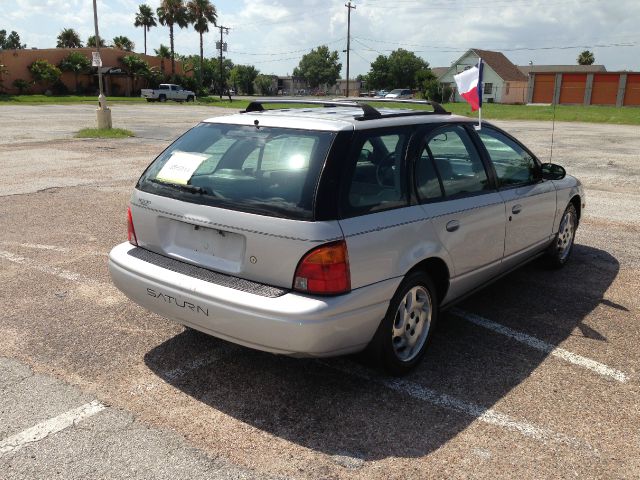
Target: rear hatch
(236,199)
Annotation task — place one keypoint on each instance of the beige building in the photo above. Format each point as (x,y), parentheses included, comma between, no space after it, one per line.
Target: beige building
(116,81)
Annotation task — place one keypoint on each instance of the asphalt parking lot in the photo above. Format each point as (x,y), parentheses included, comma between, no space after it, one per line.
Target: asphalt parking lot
(537,376)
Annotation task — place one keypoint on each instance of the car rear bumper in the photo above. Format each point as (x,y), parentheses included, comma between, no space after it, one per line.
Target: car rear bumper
(291,324)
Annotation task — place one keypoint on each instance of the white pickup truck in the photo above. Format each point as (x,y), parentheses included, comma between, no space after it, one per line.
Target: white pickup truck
(167,91)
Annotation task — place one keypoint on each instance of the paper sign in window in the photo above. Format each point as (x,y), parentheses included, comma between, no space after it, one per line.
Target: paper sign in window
(180,167)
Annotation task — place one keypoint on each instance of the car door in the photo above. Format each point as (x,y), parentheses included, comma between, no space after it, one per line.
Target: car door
(380,227)
(455,189)
(530,201)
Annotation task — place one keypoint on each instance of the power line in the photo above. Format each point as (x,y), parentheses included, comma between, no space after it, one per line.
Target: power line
(454,49)
(286,53)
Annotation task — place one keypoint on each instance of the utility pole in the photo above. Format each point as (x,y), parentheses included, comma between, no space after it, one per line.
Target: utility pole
(223,48)
(349,8)
(102,112)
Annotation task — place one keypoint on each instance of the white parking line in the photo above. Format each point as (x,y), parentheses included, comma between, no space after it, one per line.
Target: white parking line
(36,246)
(58,272)
(483,414)
(48,427)
(545,347)
(100,292)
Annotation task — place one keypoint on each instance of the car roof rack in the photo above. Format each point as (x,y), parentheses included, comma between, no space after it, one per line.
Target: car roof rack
(369,112)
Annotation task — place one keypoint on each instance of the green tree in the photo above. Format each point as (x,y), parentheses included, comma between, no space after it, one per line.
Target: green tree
(401,69)
(11,41)
(69,38)
(44,72)
(319,67)
(379,76)
(201,13)
(77,63)
(164,53)
(264,84)
(586,58)
(242,78)
(22,85)
(170,13)
(146,19)
(135,67)
(123,43)
(91,42)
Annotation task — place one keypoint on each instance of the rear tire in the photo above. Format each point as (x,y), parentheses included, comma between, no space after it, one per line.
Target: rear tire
(190,98)
(560,249)
(162,98)
(404,334)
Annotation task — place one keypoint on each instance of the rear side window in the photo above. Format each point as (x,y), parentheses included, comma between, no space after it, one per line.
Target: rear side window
(377,181)
(271,171)
(449,156)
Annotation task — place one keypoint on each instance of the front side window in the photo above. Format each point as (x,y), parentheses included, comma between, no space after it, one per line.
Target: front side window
(512,163)
(450,157)
(272,171)
(377,181)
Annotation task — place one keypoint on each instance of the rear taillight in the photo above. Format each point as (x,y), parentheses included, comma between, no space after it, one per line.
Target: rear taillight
(131,232)
(324,270)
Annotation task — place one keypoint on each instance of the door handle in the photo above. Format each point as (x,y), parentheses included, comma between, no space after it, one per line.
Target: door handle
(516,209)
(453,225)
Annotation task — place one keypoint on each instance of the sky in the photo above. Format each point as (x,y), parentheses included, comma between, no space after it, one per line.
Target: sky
(274,34)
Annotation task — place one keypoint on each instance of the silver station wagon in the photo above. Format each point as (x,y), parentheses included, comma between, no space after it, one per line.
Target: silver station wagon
(333,228)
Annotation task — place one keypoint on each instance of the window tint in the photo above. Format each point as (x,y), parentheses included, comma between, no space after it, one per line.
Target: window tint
(270,170)
(513,165)
(457,162)
(377,182)
(426,177)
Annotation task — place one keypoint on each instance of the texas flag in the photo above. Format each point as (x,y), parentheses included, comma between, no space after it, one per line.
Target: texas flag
(469,85)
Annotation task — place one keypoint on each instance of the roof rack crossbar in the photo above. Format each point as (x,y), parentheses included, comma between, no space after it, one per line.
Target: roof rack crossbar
(369,112)
(437,108)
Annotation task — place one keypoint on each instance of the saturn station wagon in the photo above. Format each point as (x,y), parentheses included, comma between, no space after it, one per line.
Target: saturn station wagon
(336,227)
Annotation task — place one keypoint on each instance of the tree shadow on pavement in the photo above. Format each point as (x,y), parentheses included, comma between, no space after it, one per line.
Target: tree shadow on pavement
(331,407)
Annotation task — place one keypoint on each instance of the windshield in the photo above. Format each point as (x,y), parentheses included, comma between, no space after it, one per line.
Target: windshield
(271,171)
(396,91)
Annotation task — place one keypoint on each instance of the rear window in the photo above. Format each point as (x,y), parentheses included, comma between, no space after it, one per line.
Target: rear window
(270,171)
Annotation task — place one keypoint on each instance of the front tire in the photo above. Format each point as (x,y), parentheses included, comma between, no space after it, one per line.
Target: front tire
(404,334)
(562,246)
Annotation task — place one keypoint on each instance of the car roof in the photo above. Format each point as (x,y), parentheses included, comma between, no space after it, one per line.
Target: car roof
(336,118)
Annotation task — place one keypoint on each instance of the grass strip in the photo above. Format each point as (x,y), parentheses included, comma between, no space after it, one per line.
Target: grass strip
(104,133)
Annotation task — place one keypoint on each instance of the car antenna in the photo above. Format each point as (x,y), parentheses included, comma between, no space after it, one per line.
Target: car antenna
(553,130)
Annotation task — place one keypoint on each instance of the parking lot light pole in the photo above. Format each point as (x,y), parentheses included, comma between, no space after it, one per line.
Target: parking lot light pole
(103,112)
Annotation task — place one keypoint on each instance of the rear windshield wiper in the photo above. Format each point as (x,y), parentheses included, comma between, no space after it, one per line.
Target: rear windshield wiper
(179,186)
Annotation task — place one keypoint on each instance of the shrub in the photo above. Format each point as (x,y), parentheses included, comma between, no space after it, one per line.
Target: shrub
(44,72)
(22,85)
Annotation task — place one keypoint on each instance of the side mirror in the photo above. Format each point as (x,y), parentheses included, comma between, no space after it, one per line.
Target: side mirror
(551,171)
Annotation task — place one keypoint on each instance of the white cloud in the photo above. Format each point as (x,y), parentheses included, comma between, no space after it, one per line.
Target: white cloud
(271,33)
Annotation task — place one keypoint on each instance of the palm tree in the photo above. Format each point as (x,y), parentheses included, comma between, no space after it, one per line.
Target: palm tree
(69,38)
(170,13)
(201,14)
(91,42)
(145,19)
(586,58)
(163,52)
(123,43)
